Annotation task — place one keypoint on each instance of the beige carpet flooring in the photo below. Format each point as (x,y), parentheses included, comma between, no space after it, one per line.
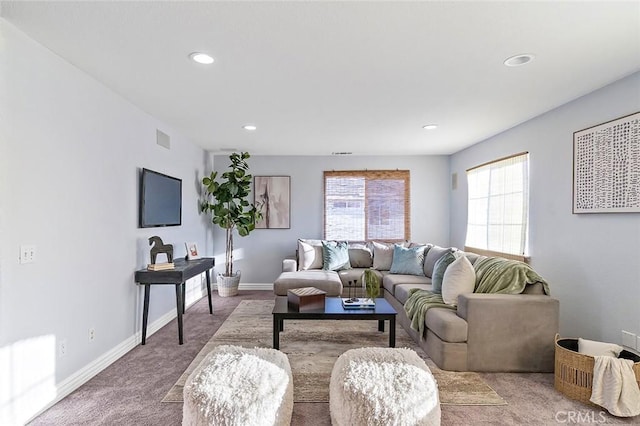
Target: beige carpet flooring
(129,392)
(313,347)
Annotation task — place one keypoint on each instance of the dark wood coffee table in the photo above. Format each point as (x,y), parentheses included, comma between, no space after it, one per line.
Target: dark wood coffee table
(333,310)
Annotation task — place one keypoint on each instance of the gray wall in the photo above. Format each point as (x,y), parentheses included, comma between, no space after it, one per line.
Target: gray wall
(259,255)
(590,260)
(70,154)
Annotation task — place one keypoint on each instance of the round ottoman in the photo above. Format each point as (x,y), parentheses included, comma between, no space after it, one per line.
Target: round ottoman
(239,386)
(383,386)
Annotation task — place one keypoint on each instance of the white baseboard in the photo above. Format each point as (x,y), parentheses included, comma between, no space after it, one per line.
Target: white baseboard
(89,371)
(252,286)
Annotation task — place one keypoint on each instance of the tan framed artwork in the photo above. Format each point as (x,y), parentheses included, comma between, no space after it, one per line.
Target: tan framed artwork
(272,195)
(606,167)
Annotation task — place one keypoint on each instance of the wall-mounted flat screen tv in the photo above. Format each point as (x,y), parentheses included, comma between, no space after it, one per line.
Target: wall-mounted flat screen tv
(160,200)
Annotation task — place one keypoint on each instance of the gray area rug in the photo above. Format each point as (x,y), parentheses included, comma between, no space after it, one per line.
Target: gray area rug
(313,347)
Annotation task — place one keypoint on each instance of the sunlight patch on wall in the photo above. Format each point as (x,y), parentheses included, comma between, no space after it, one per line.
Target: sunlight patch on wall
(27,384)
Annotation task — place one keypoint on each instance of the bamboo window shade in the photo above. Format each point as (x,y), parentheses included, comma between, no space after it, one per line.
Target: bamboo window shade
(367,205)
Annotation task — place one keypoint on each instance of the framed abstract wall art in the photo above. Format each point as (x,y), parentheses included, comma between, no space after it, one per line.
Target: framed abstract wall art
(606,167)
(273,196)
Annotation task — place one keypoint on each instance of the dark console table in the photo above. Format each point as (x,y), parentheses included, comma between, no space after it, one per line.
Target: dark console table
(184,270)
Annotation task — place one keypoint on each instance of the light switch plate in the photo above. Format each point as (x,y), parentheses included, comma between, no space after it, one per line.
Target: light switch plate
(27,253)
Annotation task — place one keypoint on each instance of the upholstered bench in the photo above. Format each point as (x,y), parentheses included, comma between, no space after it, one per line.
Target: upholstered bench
(239,386)
(328,281)
(382,386)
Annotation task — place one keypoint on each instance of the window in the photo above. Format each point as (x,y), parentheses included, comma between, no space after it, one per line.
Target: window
(498,207)
(366,205)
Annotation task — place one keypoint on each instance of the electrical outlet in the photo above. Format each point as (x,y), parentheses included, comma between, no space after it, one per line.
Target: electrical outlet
(62,348)
(27,253)
(628,339)
(92,334)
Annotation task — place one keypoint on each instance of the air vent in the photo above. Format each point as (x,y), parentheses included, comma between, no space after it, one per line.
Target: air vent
(341,153)
(163,139)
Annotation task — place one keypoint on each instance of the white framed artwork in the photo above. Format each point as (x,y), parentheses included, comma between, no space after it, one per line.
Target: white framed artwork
(606,167)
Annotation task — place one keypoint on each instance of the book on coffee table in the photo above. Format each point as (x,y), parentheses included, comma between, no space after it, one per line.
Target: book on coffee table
(358,303)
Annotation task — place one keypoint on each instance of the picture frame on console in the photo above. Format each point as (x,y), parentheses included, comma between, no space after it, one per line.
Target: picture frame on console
(192,251)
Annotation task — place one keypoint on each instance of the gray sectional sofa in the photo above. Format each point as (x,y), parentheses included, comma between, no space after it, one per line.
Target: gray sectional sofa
(485,332)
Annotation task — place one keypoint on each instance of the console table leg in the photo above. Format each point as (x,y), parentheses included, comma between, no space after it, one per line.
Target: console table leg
(184,297)
(380,325)
(179,307)
(209,292)
(145,313)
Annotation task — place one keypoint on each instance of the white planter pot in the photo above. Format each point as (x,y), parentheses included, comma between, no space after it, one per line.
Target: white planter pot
(228,286)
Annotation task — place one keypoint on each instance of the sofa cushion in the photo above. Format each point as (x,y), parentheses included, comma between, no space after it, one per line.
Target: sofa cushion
(389,281)
(309,254)
(318,278)
(473,257)
(459,278)
(335,255)
(407,260)
(352,277)
(434,253)
(403,291)
(536,288)
(439,268)
(447,325)
(382,256)
(360,255)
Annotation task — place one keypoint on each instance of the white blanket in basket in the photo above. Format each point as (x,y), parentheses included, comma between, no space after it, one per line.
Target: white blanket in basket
(615,387)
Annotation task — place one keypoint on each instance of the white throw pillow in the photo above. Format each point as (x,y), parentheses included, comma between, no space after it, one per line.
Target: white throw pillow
(309,254)
(593,348)
(459,278)
(382,256)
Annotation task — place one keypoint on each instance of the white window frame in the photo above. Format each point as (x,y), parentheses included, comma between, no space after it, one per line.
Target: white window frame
(498,207)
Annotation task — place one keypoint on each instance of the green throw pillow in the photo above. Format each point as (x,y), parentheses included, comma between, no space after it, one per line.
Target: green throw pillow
(335,256)
(438,271)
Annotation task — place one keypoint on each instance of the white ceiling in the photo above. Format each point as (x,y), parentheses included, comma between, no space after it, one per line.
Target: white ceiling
(318,77)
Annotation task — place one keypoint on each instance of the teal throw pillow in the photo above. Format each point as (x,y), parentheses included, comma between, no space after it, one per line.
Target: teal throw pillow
(335,256)
(438,271)
(407,260)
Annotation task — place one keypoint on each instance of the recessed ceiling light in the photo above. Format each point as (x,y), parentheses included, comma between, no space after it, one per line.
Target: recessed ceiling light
(250,127)
(430,126)
(201,58)
(517,60)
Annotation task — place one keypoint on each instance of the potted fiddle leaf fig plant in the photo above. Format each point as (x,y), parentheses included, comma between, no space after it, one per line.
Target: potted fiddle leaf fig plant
(226,199)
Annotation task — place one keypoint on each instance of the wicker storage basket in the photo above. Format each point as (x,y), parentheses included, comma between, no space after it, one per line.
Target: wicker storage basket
(574,371)
(228,286)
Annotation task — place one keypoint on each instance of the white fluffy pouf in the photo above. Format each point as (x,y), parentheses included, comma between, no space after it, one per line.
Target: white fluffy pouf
(383,386)
(236,386)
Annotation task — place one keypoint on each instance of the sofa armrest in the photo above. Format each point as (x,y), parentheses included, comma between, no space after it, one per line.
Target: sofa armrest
(510,332)
(289,265)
